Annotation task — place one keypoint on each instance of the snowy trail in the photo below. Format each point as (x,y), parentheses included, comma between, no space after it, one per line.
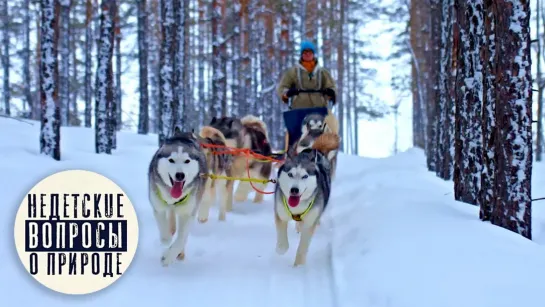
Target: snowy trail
(233,262)
(392,237)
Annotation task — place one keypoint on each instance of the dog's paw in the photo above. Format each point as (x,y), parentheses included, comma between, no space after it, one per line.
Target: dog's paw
(282,247)
(166,239)
(168,258)
(203,220)
(258,200)
(299,261)
(181,256)
(221,216)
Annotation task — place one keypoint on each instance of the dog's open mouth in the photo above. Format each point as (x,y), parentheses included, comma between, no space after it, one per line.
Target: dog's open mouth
(177,188)
(293,200)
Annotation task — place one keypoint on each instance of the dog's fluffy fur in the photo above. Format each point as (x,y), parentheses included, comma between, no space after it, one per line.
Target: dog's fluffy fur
(305,177)
(218,164)
(248,132)
(175,173)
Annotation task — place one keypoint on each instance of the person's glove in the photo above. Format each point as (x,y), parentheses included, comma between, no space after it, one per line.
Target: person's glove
(331,93)
(292,92)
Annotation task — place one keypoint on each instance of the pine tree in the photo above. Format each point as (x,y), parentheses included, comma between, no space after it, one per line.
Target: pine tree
(105,97)
(49,85)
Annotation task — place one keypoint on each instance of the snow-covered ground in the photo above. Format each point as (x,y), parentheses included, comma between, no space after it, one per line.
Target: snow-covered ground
(393,236)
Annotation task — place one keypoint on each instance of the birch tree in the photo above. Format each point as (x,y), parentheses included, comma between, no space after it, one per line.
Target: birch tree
(105,79)
(49,86)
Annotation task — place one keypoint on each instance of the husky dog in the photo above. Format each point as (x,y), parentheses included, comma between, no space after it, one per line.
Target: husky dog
(176,188)
(313,126)
(248,132)
(302,195)
(218,164)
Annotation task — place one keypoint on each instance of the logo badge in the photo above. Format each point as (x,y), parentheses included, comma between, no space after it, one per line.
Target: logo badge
(76,232)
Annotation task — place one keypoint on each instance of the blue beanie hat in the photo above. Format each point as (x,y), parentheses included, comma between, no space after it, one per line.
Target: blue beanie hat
(307,45)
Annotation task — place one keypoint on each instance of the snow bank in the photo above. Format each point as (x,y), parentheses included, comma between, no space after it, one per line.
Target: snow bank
(400,240)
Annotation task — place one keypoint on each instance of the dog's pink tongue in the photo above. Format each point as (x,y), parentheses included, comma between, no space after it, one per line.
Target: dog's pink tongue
(293,201)
(176,190)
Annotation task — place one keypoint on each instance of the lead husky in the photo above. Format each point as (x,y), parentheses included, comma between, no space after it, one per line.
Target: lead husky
(176,188)
(302,195)
(248,132)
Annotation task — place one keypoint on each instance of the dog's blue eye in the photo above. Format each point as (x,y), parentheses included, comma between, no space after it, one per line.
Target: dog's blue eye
(187,161)
(171,160)
(305,177)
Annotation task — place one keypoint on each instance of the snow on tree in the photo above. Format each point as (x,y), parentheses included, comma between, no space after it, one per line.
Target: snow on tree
(469,85)
(513,138)
(446,103)
(5,55)
(64,77)
(489,59)
(143,114)
(167,58)
(105,79)
(88,91)
(219,68)
(49,86)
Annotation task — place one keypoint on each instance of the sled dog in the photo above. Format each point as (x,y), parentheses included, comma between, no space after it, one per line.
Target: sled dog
(248,132)
(218,164)
(302,195)
(176,189)
(313,126)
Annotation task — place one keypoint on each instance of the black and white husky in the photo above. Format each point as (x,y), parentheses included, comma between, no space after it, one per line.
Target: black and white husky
(176,189)
(302,194)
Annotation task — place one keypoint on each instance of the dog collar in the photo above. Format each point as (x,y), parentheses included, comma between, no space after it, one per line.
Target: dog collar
(181,202)
(297,217)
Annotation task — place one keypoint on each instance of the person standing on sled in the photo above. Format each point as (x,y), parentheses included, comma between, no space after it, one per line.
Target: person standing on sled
(307,75)
(308,85)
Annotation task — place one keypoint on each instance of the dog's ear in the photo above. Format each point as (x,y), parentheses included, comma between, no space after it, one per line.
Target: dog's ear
(177,130)
(213,121)
(230,123)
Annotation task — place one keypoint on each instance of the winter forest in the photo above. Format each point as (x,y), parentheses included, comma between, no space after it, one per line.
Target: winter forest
(472,71)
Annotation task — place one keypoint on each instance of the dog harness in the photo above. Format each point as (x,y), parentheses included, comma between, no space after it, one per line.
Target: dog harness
(297,217)
(181,202)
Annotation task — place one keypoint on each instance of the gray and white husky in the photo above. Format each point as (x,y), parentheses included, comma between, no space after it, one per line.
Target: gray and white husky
(302,194)
(176,189)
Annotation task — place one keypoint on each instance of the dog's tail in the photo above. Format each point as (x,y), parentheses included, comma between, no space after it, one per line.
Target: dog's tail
(254,122)
(328,144)
(332,122)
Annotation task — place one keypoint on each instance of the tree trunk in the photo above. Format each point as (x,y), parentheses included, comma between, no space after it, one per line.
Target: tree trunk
(446,104)
(29,101)
(49,75)
(143,115)
(540,87)
(88,90)
(64,78)
(513,117)
(489,60)
(5,57)
(166,87)
(469,85)
(105,96)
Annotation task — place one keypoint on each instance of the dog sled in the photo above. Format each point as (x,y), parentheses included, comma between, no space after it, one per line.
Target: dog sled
(293,119)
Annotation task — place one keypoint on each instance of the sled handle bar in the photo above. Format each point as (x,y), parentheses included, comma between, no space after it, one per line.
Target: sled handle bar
(329,104)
